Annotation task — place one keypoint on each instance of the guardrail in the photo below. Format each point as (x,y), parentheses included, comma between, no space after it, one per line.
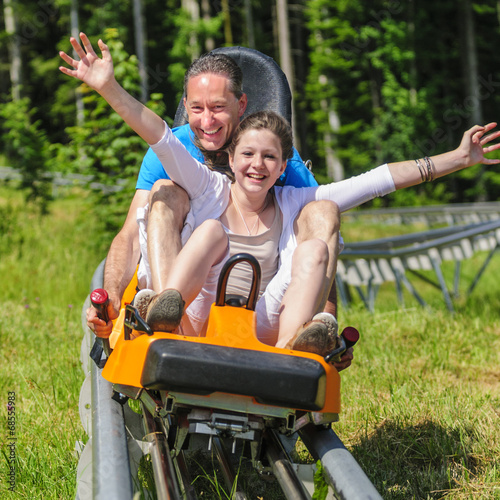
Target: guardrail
(366,265)
(58,179)
(454,214)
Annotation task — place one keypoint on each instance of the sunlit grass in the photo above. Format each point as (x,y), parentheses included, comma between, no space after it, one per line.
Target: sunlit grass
(421,405)
(46,264)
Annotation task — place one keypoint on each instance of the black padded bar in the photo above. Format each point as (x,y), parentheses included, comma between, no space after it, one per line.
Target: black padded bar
(271,378)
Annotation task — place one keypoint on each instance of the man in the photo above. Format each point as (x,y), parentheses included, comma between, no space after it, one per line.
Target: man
(214,104)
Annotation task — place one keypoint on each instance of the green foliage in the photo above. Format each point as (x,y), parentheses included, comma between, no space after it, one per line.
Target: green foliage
(392,72)
(392,75)
(27,149)
(187,46)
(104,146)
(420,403)
(320,484)
(47,262)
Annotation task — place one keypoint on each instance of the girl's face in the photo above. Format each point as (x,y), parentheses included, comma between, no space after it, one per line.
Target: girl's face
(257,161)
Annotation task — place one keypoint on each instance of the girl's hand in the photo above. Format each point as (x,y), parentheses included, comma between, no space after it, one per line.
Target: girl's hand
(473,145)
(97,73)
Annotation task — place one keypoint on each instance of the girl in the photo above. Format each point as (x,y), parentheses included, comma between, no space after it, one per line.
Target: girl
(253,215)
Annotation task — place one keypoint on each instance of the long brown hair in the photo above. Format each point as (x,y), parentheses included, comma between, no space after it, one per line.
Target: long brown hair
(268,120)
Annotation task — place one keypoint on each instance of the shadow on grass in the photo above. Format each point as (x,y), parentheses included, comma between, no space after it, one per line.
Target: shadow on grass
(420,461)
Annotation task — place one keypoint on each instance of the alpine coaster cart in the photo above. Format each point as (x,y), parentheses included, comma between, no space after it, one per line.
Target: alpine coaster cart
(224,390)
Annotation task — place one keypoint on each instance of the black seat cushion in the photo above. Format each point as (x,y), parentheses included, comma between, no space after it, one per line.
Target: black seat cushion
(271,378)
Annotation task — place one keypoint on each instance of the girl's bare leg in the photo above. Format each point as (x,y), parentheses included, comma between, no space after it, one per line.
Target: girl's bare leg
(206,247)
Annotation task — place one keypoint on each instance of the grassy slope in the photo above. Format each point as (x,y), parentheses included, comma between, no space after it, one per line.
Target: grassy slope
(46,264)
(421,404)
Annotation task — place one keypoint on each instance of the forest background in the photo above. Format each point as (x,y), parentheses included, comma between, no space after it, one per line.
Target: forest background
(373,81)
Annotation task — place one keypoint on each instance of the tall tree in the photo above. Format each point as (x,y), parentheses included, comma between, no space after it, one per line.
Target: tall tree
(193,9)
(228,32)
(249,23)
(285,51)
(75,30)
(140,48)
(14,49)
(470,60)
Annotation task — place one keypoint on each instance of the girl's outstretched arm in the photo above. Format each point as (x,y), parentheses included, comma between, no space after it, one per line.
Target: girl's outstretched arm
(98,74)
(470,152)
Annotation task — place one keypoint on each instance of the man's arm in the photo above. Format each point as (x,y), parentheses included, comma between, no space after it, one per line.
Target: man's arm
(121,263)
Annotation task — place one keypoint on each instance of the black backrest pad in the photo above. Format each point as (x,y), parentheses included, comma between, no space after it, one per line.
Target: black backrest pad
(271,378)
(264,83)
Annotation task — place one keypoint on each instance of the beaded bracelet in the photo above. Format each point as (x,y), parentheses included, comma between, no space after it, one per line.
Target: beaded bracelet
(431,168)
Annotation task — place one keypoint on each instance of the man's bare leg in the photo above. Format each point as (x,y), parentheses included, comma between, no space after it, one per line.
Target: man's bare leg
(331,302)
(168,207)
(321,219)
(303,297)
(313,267)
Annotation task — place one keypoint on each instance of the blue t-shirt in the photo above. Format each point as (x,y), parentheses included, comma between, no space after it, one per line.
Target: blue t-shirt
(296,173)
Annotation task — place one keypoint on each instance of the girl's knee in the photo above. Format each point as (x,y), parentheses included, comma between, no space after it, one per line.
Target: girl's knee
(214,230)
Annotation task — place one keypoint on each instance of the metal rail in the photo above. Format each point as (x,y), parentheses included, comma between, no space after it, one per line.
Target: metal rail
(370,263)
(167,487)
(112,479)
(455,213)
(282,468)
(109,469)
(344,474)
(228,470)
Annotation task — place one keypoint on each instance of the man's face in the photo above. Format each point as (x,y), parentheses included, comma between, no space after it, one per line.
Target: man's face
(213,110)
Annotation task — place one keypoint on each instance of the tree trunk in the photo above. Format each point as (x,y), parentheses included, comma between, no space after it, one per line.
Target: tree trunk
(14,49)
(286,61)
(228,34)
(140,48)
(75,31)
(249,24)
(471,76)
(471,73)
(334,167)
(193,8)
(205,12)
(413,65)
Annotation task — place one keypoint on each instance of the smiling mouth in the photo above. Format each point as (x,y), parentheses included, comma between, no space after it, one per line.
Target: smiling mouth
(211,132)
(256,176)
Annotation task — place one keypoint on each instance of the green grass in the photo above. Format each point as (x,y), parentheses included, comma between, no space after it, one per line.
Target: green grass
(46,264)
(421,403)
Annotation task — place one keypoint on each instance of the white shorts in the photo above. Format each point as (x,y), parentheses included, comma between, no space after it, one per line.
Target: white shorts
(267,308)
